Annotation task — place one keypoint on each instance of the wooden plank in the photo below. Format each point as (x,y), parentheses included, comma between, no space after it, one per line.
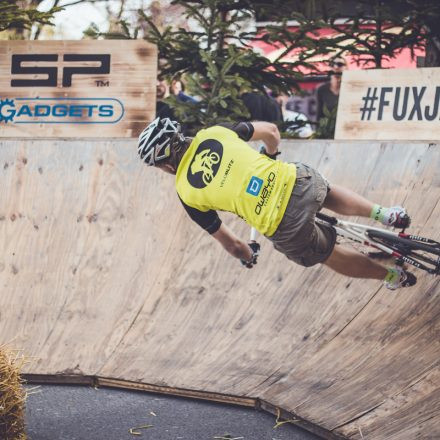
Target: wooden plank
(149,388)
(128,129)
(419,403)
(126,89)
(104,275)
(397,104)
(284,416)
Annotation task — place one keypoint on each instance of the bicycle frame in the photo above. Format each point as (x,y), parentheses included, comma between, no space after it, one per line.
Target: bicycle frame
(358,232)
(352,231)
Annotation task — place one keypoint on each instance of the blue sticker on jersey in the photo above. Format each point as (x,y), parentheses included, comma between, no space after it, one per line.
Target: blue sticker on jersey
(254,186)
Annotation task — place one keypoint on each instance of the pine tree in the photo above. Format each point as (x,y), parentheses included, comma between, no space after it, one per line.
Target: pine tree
(15,17)
(424,16)
(377,30)
(217,58)
(218,61)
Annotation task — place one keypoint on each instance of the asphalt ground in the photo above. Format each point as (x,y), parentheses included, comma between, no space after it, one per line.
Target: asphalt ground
(61,412)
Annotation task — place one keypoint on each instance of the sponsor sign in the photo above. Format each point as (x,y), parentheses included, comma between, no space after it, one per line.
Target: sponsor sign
(76,88)
(390,104)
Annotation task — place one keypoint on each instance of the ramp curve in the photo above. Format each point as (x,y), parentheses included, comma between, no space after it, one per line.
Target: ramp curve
(103,275)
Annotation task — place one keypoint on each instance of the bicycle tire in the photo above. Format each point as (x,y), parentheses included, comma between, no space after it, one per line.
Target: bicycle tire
(404,245)
(418,254)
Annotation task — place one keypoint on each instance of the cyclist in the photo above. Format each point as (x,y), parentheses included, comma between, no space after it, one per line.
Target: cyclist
(218,171)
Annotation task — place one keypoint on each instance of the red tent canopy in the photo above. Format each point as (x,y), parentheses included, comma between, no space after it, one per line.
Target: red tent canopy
(403,59)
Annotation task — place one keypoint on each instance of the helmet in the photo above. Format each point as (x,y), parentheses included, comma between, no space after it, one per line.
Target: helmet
(156,141)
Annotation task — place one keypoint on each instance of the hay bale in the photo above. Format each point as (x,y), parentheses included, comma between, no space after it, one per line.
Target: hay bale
(12,395)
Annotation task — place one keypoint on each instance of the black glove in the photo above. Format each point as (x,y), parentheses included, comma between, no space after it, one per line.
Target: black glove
(272,156)
(255,247)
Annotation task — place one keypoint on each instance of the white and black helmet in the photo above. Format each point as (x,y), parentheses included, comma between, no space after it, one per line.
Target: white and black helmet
(156,141)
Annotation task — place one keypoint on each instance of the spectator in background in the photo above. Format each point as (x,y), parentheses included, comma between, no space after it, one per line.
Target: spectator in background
(178,88)
(262,107)
(328,93)
(294,123)
(163,110)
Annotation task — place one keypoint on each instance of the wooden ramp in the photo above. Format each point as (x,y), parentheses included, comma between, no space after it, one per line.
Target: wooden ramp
(104,278)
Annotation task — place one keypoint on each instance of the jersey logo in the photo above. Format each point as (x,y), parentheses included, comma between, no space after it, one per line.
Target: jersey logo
(205,163)
(254,186)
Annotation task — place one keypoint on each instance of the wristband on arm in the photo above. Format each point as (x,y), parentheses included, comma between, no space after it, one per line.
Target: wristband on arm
(272,156)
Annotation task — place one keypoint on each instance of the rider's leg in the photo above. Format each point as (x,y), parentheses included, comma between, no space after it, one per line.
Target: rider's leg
(353,264)
(346,202)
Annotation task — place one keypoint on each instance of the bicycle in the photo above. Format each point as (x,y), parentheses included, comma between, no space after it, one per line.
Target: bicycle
(420,252)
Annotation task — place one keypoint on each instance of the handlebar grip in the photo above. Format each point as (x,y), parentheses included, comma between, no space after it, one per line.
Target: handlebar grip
(253,236)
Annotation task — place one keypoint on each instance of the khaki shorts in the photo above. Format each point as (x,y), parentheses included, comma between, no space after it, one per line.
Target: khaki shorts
(298,236)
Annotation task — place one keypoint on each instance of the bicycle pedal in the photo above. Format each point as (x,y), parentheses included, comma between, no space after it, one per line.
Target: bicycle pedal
(400,262)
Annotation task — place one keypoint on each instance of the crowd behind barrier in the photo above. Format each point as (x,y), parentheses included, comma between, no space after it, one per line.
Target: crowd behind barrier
(297,114)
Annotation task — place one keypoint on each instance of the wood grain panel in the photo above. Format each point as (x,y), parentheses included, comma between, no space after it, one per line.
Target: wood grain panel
(103,274)
(395,104)
(129,87)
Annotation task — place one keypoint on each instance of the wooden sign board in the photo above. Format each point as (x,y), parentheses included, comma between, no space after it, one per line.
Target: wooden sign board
(87,88)
(392,104)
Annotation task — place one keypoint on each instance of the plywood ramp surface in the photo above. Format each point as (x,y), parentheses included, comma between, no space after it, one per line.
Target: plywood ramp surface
(103,274)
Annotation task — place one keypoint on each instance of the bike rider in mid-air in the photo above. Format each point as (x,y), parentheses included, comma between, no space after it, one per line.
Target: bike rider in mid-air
(218,171)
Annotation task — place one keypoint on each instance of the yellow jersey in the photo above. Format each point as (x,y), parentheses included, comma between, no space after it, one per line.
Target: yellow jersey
(221,172)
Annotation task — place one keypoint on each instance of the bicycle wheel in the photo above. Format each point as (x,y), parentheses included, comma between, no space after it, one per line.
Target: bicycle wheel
(417,251)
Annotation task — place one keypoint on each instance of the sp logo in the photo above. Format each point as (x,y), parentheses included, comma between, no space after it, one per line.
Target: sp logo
(205,163)
(18,67)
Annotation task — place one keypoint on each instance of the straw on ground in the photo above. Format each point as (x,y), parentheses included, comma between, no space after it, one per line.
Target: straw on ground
(12,395)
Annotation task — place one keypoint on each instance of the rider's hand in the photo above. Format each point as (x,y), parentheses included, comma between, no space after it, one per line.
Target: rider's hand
(272,156)
(255,248)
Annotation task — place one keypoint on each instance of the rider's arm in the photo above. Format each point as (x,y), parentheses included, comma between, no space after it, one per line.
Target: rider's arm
(257,131)
(268,133)
(232,244)
(210,222)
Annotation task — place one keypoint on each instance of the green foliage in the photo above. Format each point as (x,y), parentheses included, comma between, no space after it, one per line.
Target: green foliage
(326,125)
(424,17)
(377,30)
(13,16)
(218,61)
